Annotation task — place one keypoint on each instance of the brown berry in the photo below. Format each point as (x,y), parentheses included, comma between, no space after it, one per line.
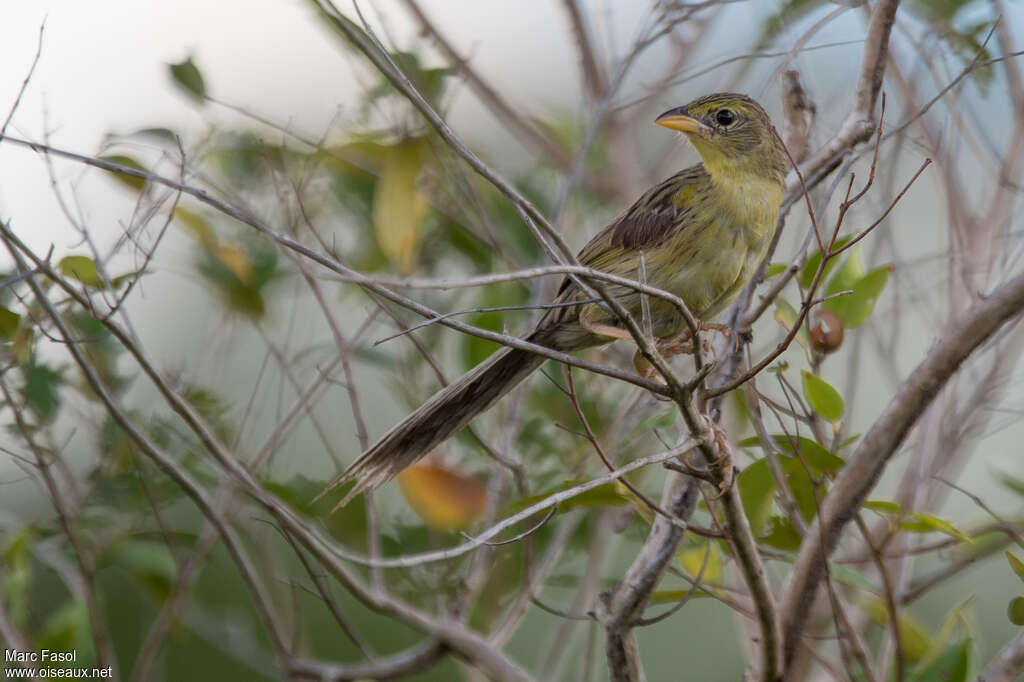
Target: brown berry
(826,331)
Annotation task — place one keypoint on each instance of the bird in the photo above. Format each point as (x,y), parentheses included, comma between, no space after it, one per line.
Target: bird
(702,234)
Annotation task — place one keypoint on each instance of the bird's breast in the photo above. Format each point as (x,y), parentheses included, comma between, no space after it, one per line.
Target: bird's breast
(724,246)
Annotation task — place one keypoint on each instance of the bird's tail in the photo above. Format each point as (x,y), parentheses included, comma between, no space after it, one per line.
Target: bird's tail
(445,413)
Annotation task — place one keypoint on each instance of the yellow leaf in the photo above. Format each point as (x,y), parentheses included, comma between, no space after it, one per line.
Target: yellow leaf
(400,206)
(692,559)
(237,261)
(81,268)
(444,499)
(197,225)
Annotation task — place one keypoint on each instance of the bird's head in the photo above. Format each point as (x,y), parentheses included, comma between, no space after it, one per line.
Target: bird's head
(732,133)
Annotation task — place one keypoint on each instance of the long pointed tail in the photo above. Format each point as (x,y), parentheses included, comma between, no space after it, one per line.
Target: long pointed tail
(445,413)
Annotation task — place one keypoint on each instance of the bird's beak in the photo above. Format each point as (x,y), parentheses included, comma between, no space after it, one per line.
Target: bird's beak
(680,119)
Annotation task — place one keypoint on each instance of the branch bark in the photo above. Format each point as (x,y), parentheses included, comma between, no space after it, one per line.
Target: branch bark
(626,602)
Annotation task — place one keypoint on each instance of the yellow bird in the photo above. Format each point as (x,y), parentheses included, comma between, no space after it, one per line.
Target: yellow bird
(703,233)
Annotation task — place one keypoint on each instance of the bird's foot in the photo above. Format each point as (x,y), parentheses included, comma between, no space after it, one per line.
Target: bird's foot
(721,469)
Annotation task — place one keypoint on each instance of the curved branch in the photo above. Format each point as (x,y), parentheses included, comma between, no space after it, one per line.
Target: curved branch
(414,659)
(1007,664)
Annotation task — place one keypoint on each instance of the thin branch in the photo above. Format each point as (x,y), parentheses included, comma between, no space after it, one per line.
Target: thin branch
(593,76)
(1007,665)
(413,660)
(24,83)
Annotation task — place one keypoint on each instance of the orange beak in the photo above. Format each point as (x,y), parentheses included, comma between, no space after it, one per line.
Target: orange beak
(680,119)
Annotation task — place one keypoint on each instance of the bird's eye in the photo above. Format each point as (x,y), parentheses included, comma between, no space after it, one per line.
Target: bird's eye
(725,118)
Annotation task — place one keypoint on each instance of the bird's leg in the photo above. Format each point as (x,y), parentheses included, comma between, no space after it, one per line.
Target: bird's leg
(723,329)
(668,348)
(721,469)
(681,345)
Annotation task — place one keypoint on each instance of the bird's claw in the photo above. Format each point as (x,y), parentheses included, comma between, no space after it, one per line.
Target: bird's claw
(721,468)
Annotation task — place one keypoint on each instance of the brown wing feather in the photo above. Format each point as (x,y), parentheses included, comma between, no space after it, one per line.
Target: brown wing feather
(652,220)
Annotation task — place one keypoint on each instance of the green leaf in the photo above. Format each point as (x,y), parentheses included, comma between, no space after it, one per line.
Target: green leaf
(851,577)
(68,628)
(786,315)
(1013,483)
(131,181)
(1016,564)
(245,159)
(775,269)
(806,276)
(823,399)
(926,523)
(883,506)
(42,390)
(847,275)
(757,487)
(816,456)
(81,268)
(939,641)
(604,495)
(16,579)
(475,349)
(150,562)
(854,309)
(848,441)
(8,323)
(165,135)
(781,535)
(952,665)
(187,75)
(915,640)
(1015,610)
(347,524)
(117,280)
(803,488)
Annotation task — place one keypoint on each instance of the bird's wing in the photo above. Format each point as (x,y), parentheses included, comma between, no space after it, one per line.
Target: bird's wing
(655,217)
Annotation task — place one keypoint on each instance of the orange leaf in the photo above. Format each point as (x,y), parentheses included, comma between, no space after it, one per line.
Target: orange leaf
(444,499)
